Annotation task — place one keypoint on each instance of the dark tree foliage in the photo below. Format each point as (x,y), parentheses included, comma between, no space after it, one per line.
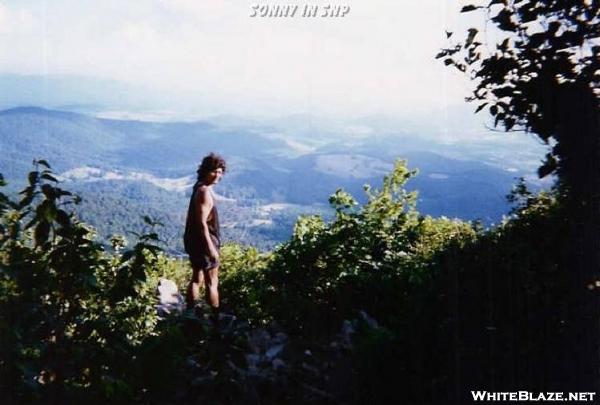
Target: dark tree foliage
(540,74)
(546,58)
(73,318)
(458,308)
(505,304)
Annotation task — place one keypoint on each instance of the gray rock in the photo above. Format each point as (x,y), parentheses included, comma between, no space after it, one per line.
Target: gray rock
(371,323)
(191,363)
(169,299)
(227,321)
(252,360)
(277,364)
(345,336)
(258,340)
(274,351)
(201,381)
(280,337)
(311,369)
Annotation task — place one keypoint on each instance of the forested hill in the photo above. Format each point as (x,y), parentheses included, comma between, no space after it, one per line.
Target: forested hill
(127,169)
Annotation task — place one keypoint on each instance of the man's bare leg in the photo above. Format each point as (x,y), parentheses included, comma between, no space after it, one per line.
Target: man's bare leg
(211,291)
(193,289)
(211,282)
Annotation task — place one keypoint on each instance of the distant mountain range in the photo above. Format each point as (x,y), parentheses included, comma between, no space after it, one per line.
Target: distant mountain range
(125,169)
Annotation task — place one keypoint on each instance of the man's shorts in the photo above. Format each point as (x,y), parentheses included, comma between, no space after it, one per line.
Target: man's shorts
(202,260)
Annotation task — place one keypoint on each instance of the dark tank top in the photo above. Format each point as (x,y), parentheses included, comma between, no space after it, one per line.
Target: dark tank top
(192,238)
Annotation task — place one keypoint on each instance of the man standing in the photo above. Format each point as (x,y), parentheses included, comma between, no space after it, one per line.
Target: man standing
(202,234)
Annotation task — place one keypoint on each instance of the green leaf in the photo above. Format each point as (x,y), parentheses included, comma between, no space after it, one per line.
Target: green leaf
(5,202)
(549,166)
(472,33)
(553,27)
(49,177)
(468,8)
(63,218)
(441,54)
(499,117)
(90,281)
(27,190)
(481,107)
(61,193)
(49,191)
(33,177)
(26,200)
(151,236)
(31,223)
(504,20)
(127,255)
(509,123)
(41,233)
(43,162)
(46,211)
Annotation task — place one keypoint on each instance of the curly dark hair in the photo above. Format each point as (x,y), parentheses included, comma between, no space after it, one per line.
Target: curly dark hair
(209,163)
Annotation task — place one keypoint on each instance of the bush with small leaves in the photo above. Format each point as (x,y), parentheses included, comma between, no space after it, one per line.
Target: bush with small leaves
(71,314)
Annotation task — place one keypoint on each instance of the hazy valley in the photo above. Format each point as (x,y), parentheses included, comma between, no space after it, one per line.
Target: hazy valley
(125,169)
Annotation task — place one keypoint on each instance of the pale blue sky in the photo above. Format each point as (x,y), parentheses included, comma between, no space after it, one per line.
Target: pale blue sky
(379,59)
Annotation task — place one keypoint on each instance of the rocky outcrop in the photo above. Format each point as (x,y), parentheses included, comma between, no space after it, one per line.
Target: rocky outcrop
(170,301)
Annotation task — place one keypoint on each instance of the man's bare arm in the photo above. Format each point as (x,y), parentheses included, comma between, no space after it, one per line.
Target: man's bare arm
(204,204)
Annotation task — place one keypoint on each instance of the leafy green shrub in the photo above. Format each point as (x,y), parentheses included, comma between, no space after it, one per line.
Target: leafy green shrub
(72,316)
(78,321)
(367,258)
(242,281)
